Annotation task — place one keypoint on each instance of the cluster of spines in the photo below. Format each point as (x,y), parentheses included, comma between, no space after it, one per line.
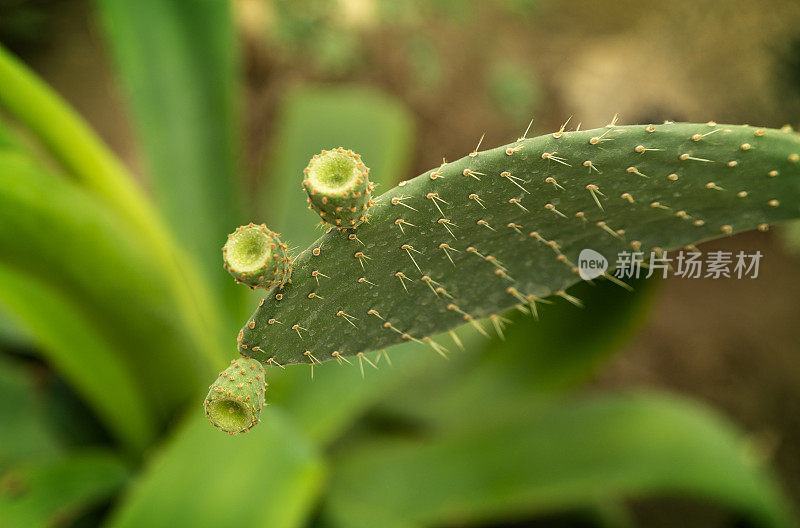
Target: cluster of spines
(338,188)
(256,257)
(236,397)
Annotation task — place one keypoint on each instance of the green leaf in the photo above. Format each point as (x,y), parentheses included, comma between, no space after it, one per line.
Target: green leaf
(181,82)
(68,138)
(300,395)
(91,164)
(534,360)
(23,430)
(552,355)
(12,334)
(56,233)
(198,479)
(72,344)
(51,492)
(315,118)
(565,456)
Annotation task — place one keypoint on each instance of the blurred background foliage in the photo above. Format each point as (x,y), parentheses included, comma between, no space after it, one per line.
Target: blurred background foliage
(134,134)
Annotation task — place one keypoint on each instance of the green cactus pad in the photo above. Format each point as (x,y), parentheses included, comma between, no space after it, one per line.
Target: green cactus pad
(236,397)
(338,187)
(255,256)
(504,227)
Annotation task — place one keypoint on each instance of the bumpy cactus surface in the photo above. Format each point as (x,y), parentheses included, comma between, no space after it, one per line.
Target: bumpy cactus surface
(338,187)
(236,397)
(255,256)
(504,227)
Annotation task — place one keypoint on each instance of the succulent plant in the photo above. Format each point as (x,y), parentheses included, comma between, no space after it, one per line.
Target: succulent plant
(501,228)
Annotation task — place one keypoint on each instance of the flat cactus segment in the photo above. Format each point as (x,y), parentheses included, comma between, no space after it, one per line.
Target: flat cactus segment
(255,256)
(504,227)
(338,187)
(236,397)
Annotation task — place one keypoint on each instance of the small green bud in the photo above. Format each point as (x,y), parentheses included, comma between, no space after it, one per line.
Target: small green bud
(236,397)
(338,187)
(255,256)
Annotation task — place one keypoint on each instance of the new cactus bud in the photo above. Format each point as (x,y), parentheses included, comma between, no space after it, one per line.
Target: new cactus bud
(255,256)
(236,397)
(338,187)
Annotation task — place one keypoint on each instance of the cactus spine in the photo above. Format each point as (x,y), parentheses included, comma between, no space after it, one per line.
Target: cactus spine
(338,187)
(255,256)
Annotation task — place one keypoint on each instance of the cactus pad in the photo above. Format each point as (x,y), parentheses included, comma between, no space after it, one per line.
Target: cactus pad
(504,227)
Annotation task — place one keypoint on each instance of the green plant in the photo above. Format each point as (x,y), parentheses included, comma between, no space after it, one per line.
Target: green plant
(504,227)
(135,338)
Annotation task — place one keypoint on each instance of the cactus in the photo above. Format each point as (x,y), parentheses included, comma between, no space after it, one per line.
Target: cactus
(236,397)
(255,256)
(503,228)
(338,187)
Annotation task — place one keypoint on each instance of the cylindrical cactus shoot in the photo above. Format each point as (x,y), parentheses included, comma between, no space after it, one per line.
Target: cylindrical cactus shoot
(255,256)
(236,397)
(338,187)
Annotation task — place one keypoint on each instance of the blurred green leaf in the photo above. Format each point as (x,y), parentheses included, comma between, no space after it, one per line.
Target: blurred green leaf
(335,50)
(514,90)
(56,233)
(533,360)
(197,479)
(568,343)
(23,430)
(565,456)
(561,349)
(72,420)
(179,71)
(425,61)
(72,344)
(91,164)
(51,492)
(12,335)
(69,139)
(316,118)
(301,397)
